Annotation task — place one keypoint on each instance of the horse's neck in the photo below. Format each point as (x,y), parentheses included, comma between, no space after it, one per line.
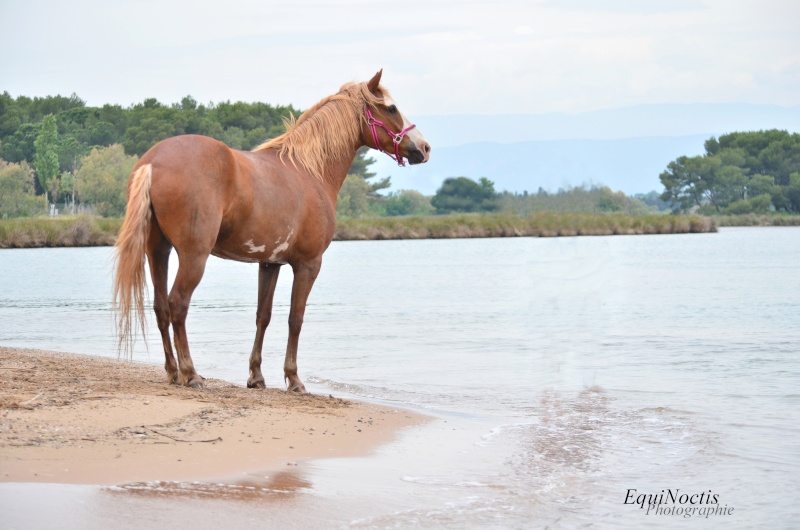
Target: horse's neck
(337,173)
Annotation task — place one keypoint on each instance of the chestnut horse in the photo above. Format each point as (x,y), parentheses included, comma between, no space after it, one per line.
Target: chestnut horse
(272,206)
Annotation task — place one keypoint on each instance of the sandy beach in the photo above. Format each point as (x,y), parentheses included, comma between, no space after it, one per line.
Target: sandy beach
(76,419)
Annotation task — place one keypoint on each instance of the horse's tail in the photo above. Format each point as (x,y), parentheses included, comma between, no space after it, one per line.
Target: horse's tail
(130,284)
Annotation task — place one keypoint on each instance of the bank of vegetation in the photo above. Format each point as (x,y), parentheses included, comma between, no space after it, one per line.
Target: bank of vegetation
(62,231)
(59,156)
(752,219)
(87,231)
(542,224)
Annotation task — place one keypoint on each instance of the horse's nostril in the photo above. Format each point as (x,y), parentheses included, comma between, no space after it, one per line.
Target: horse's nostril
(427,148)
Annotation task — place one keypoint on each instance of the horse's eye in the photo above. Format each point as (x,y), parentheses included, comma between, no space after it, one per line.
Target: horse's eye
(392,109)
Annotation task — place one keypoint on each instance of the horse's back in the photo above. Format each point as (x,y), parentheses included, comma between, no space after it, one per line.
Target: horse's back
(190,160)
(192,179)
(237,204)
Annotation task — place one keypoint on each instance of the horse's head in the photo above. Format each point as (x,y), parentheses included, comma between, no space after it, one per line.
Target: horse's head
(387,130)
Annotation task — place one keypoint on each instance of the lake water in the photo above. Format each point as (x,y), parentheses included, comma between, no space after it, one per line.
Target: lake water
(562,373)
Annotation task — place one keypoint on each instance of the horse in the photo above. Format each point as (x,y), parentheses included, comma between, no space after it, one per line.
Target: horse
(274,205)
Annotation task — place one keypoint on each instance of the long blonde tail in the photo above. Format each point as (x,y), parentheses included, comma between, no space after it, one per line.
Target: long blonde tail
(130,284)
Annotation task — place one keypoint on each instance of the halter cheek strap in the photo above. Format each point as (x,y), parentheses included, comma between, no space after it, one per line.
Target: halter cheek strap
(396,137)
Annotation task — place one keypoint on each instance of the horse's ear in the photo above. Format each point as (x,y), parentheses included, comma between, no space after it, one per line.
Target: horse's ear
(373,83)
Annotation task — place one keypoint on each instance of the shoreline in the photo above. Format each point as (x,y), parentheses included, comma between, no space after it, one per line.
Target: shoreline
(76,419)
(87,231)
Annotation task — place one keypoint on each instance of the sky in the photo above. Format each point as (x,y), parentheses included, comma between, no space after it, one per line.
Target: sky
(439,56)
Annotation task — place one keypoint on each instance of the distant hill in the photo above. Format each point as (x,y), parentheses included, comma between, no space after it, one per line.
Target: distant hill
(631,165)
(625,148)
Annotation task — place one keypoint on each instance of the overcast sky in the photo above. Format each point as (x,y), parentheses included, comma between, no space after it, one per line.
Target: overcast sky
(439,56)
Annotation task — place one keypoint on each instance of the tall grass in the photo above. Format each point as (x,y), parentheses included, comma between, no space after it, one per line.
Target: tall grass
(87,231)
(541,224)
(64,231)
(757,220)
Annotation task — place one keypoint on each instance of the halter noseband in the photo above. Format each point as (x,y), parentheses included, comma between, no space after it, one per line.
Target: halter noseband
(396,138)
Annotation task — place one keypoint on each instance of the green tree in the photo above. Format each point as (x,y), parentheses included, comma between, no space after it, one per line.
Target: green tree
(45,158)
(610,201)
(594,200)
(37,109)
(717,180)
(254,138)
(20,145)
(357,196)
(137,127)
(70,151)
(209,127)
(17,191)
(101,133)
(408,202)
(117,116)
(773,152)
(360,167)
(102,179)
(361,163)
(757,204)
(9,115)
(461,194)
(788,197)
(233,137)
(151,130)
(760,185)
(653,200)
(354,197)
(736,169)
(67,184)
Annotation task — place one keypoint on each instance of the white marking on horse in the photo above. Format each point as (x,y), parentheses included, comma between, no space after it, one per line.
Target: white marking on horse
(281,247)
(252,249)
(414,134)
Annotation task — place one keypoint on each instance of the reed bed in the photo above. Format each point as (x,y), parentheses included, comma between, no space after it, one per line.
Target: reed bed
(757,220)
(65,231)
(542,224)
(88,231)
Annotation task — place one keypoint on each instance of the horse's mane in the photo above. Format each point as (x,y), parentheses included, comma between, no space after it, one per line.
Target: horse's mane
(325,131)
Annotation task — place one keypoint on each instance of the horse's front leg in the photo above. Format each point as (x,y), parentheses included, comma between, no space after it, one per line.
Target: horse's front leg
(304,276)
(267,280)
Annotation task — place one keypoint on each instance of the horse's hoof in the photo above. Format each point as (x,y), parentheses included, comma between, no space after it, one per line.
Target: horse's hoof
(195,382)
(298,389)
(256,384)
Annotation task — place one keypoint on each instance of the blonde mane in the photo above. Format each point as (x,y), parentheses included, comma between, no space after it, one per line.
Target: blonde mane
(326,131)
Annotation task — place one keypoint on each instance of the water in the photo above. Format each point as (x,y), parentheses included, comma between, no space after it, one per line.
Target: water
(562,373)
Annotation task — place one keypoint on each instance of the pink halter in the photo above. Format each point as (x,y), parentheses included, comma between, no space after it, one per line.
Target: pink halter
(396,138)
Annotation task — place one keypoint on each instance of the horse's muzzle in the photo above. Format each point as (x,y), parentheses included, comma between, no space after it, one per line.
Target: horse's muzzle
(419,154)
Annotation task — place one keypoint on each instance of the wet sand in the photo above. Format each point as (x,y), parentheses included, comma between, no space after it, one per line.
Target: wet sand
(76,419)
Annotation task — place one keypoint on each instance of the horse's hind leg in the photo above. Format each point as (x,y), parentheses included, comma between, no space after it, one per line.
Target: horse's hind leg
(304,276)
(190,271)
(158,250)
(267,280)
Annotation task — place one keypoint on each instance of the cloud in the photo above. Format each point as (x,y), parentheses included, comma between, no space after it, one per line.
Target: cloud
(625,6)
(500,57)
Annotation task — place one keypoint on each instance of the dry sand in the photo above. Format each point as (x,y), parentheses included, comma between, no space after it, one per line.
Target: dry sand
(76,419)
